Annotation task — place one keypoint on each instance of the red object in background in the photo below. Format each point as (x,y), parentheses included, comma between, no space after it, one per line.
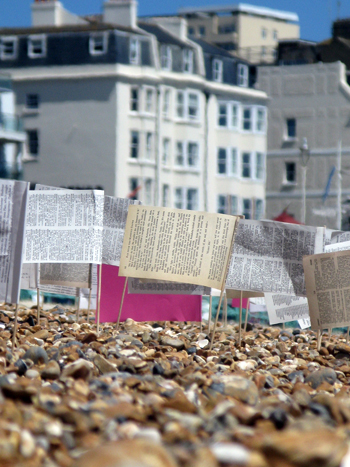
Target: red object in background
(236,303)
(285,217)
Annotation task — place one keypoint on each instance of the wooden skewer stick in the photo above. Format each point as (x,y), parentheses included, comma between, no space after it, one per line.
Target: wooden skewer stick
(217,317)
(38,305)
(210,311)
(99,298)
(78,307)
(246,317)
(121,303)
(347,334)
(240,319)
(319,337)
(89,305)
(225,310)
(15,327)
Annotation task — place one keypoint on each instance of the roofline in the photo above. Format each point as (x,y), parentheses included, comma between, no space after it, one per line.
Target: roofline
(243,8)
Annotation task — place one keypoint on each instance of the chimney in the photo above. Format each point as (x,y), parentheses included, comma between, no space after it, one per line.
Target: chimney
(122,12)
(52,13)
(175,25)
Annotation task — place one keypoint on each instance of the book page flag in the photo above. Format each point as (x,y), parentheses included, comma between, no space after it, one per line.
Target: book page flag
(177,245)
(283,308)
(68,275)
(257,305)
(13,199)
(341,246)
(304,323)
(231,293)
(267,256)
(142,307)
(328,289)
(64,226)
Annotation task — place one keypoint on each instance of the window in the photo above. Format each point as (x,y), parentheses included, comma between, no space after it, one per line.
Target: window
(201,31)
(192,199)
(247,208)
(222,117)
(227,28)
(191,31)
(234,115)
(98,44)
(149,146)
(166,151)
(165,57)
(192,154)
(134,99)
(134,188)
(259,209)
(242,75)
(166,103)
(187,61)
(263,33)
(234,161)
(148,192)
(134,145)
(291,128)
(180,104)
(263,51)
(291,173)
(247,119)
(32,101)
(275,35)
(179,198)
(165,196)
(37,46)
(8,48)
(227,204)
(222,161)
(180,156)
(33,142)
(222,204)
(261,120)
(134,51)
(149,101)
(259,166)
(217,70)
(246,165)
(193,106)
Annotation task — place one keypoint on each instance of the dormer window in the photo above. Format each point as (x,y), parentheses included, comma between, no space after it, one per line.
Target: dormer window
(165,57)
(37,46)
(98,44)
(217,70)
(8,48)
(134,51)
(188,61)
(242,75)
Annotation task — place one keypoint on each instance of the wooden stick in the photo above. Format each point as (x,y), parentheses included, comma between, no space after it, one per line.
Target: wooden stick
(99,298)
(15,327)
(246,317)
(217,317)
(121,303)
(225,310)
(240,319)
(78,307)
(38,305)
(319,337)
(347,335)
(89,305)
(210,311)
(283,326)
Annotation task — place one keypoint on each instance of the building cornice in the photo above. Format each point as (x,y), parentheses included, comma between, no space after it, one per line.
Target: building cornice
(295,152)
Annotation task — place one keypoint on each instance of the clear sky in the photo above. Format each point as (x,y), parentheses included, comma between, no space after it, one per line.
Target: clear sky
(315,16)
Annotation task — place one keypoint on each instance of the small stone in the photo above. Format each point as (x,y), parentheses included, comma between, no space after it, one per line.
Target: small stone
(172,342)
(247,365)
(36,354)
(242,389)
(51,371)
(230,453)
(79,369)
(32,374)
(316,378)
(203,343)
(104,365)
(43,334)
(27,444)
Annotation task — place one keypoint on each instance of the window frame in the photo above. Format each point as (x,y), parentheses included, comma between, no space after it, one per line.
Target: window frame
(166,107)
(259,169)
(289,137)
(149,105)
(92,43)
(179,198)
(258,120)
(133,100)
(250,120)
(30,96)
(148,191)
(286,180)
(166,59)
(256,216)
(134,51)
(133,186)
(242,75)
(187,61)
(166,195)
(37,37)
(149,146)
(189,206)
(14,40)
(134,146)
(228,206)
(217,72)
(33,141)
(180,105)
(180,154)
(230,114)
(194,156)
(246,165)
(250,209)
(193,117)
(166,158)
(221,161)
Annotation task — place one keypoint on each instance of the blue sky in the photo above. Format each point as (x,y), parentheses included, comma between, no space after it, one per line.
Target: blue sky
(315,16)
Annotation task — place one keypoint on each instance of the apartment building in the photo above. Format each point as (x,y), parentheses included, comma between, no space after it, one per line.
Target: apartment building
(12,136)
(138,109)
(308,124)
(249,31)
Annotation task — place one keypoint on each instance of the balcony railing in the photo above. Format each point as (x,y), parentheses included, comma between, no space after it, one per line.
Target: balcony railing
(10,122)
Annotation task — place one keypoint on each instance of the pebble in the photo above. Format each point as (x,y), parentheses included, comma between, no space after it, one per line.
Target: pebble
(156,395)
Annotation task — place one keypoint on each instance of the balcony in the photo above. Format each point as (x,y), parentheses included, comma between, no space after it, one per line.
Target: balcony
(11,129)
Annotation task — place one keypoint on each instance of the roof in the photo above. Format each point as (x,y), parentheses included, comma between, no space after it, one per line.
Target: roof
(213,49)
(67,28)
(243,8)
(161,34)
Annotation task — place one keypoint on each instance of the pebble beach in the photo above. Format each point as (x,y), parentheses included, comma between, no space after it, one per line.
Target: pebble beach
(154,395)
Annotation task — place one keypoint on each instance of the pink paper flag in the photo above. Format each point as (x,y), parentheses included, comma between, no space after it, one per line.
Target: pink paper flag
(235,303)
(144,307)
